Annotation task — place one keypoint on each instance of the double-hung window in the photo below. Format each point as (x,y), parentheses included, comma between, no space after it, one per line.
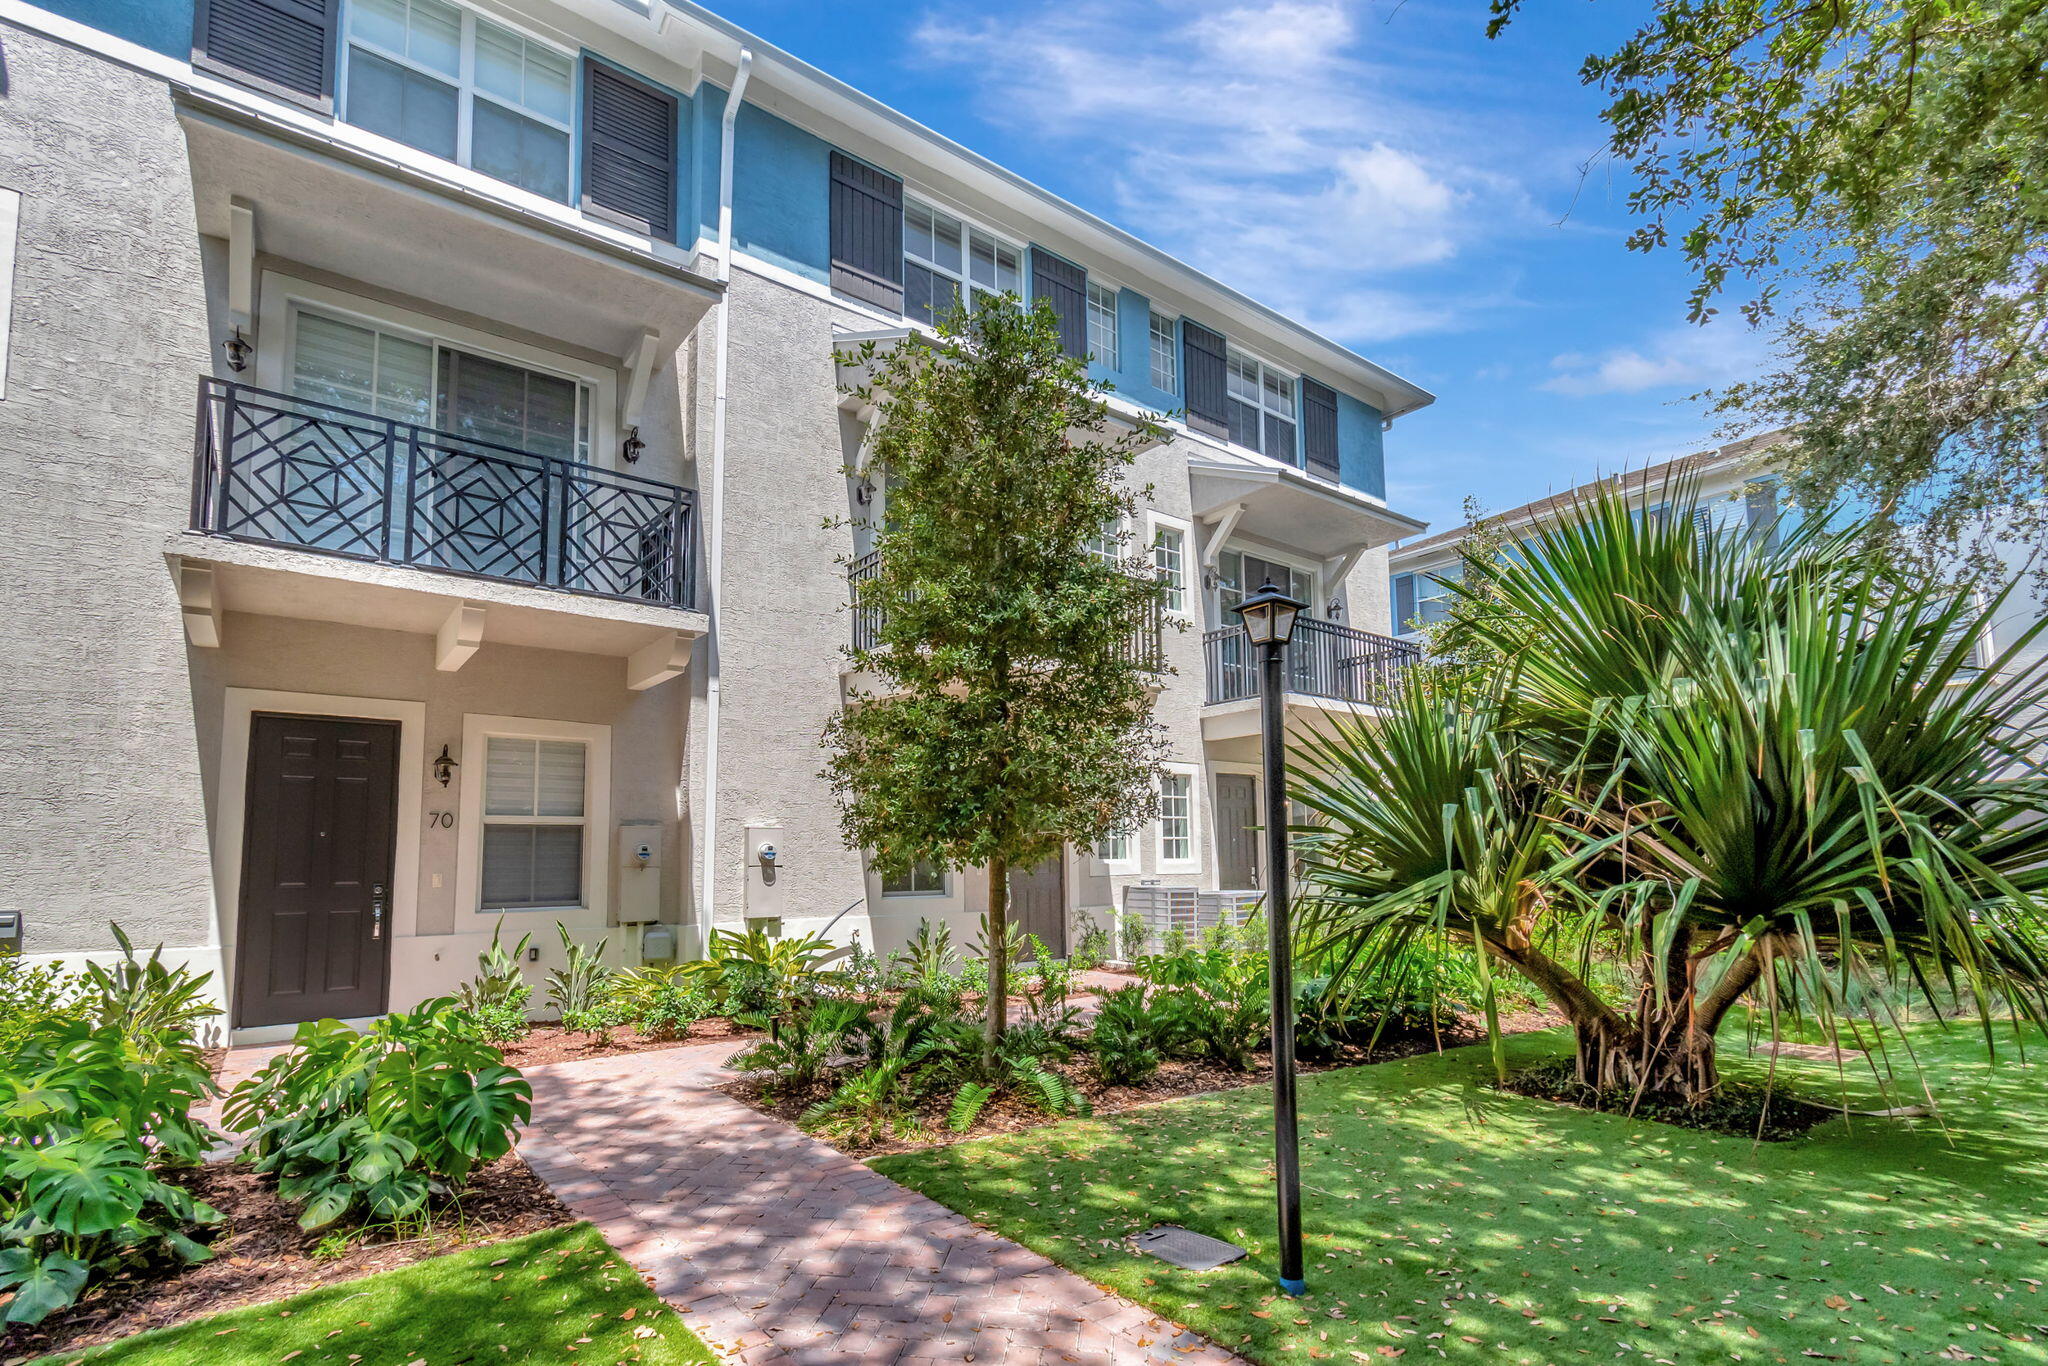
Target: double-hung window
(1176,817)
(1261,407)
(943,256)
(919,879)
(1169,560)
(1102,326)
(1165,355)
(534,823)
(445,80)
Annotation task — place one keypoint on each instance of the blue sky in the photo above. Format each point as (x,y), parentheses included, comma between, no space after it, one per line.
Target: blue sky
(1377,168)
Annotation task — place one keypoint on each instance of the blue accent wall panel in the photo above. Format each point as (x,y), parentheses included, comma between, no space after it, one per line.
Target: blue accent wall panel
(781,197)
(160,25)
(1361,455)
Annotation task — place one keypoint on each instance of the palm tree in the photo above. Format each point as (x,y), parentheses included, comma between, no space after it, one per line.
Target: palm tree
(1734,765)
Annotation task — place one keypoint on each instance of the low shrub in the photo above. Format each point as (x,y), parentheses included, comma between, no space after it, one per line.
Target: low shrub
(497,996)
(1091,946)
(1213,1002)
(89,1116)
(382,1120)
(758,973)
(34,998)
(663,1002)
(1130,1037)
(801,1044)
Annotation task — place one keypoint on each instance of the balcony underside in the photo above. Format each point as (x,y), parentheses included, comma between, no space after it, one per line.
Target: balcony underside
(216,576)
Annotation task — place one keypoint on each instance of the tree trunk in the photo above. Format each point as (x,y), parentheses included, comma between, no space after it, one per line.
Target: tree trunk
(1664,1045)
(998,1003)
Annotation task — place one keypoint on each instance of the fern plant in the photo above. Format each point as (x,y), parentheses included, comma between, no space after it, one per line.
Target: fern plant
(1020,1067)
(1129,1038)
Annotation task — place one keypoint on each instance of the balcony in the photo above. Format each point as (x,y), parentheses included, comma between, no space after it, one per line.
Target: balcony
(1324,661)
(1145,648)
(274,470)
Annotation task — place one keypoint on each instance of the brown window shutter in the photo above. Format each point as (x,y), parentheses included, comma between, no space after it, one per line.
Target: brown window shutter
(867,234)
(281,47)
(1064,285)
(1205,378)
(629,151)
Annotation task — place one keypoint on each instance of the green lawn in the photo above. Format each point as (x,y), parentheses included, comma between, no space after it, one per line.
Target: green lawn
(558,1296)
(1445,1218)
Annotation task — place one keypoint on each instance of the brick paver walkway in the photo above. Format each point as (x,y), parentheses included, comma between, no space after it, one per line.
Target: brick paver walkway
(778,1248)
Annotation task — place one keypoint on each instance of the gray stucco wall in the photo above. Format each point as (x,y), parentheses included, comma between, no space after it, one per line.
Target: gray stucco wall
(100,805)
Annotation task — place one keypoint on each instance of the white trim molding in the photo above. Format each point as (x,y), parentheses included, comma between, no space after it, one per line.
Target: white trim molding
(240,706)
(10,233)
(477,729)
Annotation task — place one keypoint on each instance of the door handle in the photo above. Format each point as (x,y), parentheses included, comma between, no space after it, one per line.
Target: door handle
(377,911)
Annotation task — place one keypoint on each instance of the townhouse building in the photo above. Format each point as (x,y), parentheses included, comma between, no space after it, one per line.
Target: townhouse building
(427,471)
(1734,487)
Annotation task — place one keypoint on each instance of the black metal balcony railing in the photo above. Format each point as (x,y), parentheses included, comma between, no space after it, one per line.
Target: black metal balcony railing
(1146,647)
(1324,659)
(287,471)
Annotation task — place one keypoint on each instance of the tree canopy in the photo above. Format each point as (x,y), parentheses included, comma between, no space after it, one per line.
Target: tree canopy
(1012,640)
(1870,179)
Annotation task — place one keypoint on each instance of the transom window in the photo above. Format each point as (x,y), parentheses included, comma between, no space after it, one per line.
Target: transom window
(942,256)
(1261,407)
(1169,559)
(1102,326)
(453,84)
(534,823)
(920,879)
(1165,355)
(1176,816)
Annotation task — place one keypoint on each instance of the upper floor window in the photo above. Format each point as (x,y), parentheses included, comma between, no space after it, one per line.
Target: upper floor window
(1422,600)
(1261,407)
(1240,573)
(943,256)
(458,86)
(1102,326)
(1165,355)
(1169,558)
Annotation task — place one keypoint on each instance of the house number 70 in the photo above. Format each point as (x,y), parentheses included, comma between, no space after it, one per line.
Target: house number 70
(443,820)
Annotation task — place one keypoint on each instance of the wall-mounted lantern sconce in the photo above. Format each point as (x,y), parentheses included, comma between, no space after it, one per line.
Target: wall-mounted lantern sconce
(633,445)
(1336,611)
(238,350)
(864,492)
(445,766)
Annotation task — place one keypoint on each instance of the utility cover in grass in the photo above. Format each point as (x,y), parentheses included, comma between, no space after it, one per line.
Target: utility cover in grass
(553,1297)
(1185,1248)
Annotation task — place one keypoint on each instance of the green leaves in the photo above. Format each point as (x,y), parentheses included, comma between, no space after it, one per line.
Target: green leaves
(82,1187)
(380,1119)
(41,1285)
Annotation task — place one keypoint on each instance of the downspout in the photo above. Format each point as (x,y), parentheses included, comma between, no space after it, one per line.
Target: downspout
(714,546)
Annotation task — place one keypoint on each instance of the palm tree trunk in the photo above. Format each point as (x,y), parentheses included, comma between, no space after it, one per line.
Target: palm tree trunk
(998,1003)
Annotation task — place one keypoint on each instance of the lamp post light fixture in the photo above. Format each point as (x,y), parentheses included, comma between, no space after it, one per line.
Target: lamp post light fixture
(1269,617)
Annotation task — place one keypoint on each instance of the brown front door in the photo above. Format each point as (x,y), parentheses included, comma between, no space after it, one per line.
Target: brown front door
(1038,903)
(316,869)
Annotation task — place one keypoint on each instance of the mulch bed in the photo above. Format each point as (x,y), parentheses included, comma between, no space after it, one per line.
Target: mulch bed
(552,1043)
(261,1255)
(1738,1109)
(1176,1078)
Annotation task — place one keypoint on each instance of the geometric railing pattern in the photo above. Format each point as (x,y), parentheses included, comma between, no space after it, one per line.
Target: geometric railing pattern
(288,471)
(1323,659)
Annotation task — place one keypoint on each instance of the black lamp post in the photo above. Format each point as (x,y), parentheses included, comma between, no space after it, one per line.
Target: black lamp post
(1269,616)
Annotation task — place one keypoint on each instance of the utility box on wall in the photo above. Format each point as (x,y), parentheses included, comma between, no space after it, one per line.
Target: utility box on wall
(764,897)
(639,872)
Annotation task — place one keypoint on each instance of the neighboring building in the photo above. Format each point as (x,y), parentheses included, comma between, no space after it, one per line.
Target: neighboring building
(1734,484)
(420,427)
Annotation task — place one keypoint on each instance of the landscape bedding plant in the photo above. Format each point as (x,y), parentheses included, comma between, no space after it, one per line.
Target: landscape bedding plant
(1443,1216)
(262,1255)
(559,1296)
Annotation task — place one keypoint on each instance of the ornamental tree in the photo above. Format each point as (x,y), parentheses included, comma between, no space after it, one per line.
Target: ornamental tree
(1011,714)
(1721,771)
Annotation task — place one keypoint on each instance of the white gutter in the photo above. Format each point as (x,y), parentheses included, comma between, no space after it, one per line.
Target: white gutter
(714,545)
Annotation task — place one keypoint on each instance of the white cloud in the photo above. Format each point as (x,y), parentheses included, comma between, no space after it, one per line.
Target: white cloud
(1692,358)
(1259,141)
